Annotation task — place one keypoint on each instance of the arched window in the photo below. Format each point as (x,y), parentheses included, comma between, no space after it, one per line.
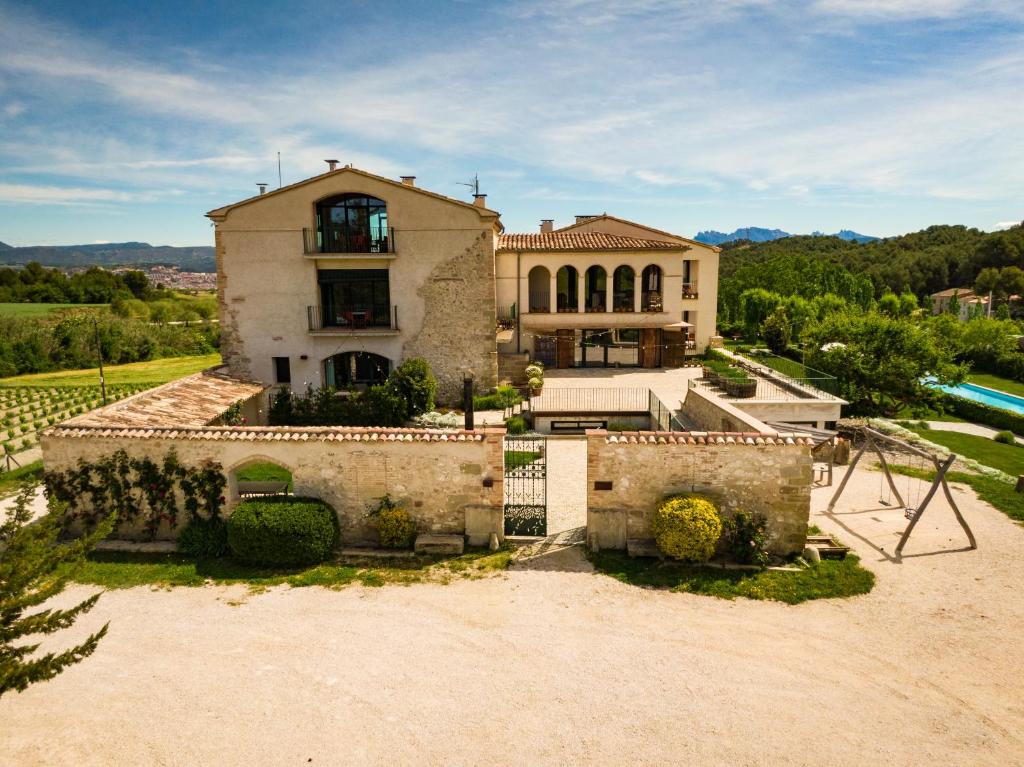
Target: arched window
(650,290)
(349,369)
(260,476)
(596,285)
(567,282)
(540,289)
(352,223)
(623,284)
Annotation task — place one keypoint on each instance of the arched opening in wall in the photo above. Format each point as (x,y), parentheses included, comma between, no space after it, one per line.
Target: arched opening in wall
(596,283)
(260,476)
(352,223)
(540,289)
(650,289)
(352,370)
(567,284)
(623,288)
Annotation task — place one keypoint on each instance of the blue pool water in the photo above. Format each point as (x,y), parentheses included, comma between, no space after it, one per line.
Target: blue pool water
(985,396)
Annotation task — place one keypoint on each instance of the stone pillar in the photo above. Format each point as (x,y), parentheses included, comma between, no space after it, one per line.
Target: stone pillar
(609,290)
(637,292)
(581,291)
(553,297)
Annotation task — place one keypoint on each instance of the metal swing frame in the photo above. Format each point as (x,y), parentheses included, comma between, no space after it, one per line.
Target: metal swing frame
(872,438)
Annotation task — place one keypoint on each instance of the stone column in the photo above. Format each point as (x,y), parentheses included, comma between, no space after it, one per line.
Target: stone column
(638,285)
(553,298)
(609,290)
(581,291)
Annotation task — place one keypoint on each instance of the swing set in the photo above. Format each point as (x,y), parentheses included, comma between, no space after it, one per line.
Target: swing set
(922,460)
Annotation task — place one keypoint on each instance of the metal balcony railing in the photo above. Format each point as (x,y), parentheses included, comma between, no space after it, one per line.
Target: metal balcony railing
(355,317)
(689,290)
(340,239)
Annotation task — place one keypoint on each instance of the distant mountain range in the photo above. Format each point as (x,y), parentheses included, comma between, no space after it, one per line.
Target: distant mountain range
(195,259)
(759,234)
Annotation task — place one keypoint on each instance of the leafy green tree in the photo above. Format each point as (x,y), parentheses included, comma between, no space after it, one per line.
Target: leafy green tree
(953,307)
(756,305)
(775,330)
(987,281)
(908,303)
(889,304)
(33,570)
(879,361)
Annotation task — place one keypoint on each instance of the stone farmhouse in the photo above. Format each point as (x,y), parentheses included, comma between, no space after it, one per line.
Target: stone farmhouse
(335,280)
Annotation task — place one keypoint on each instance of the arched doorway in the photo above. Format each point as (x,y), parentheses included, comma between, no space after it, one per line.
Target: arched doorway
(567,282)
(623,289)
(650,289)
(596,286)
(540,289)
(352,369)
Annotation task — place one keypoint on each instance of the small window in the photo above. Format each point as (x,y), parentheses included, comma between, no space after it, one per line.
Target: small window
(282,370)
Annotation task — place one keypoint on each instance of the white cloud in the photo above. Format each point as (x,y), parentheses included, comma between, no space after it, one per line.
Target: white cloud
(58,195)
(1007,224)
(918,9)
(13,109)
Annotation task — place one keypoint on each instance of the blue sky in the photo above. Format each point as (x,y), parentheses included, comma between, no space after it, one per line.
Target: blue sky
(127,121)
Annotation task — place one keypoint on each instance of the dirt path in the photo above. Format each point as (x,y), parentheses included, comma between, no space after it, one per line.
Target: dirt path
(555,665)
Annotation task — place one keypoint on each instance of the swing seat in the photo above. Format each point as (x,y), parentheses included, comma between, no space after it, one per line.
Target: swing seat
(910,512)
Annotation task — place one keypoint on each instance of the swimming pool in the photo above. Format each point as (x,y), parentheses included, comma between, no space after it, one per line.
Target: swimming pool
(985,396)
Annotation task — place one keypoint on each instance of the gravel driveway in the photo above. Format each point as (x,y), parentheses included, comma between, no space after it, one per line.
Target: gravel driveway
(554,665)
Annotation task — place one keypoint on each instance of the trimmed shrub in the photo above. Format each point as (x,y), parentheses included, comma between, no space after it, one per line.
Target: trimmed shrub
(1005,437)
(204,538)
(687,527)
(394,525)
(414,383)
(516,425)
(282,530)
(970,410)
(746,538)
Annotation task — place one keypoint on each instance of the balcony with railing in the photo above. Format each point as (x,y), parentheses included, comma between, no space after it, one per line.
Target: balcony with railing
(341,240)
(353,320)
(689,290)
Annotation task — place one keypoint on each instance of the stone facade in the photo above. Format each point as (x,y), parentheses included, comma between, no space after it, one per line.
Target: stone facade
(440,267)
(771,476)
(450,483)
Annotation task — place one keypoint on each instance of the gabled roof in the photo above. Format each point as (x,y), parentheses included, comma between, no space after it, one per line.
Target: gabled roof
(948,293)
(581,241)
(607,217)
(218,213)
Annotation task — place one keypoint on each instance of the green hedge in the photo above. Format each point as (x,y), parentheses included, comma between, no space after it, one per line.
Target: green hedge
(282,530)
(995,417)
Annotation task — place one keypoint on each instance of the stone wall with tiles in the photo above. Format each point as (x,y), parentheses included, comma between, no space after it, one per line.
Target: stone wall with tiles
(450,482)
(629,474)
(709,411)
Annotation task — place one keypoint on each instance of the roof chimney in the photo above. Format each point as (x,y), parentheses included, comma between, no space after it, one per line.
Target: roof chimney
(581,219)
(547,225)
(408,180)
(480,200)
(262,186)
(332,164)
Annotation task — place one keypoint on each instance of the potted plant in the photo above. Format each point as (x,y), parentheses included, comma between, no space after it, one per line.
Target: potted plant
(741,387)
(535,386)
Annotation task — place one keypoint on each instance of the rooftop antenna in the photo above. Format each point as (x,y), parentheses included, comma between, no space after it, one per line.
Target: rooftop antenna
(278,170)
(474,185)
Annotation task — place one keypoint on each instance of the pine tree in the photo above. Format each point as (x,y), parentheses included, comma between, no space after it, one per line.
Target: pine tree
(34,569)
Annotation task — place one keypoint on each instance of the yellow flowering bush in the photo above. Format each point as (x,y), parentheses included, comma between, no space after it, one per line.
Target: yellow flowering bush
(687,528)
(394,525)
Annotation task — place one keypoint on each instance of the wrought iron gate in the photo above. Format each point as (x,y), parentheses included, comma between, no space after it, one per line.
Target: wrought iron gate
(526,486)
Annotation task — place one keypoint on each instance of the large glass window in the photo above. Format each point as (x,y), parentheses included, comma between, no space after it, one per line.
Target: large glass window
(343,371)
(355,298)
(623,281)
(353,223)
(567,282)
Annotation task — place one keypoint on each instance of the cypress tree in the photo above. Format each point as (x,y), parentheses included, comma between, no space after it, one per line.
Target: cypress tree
(34,568)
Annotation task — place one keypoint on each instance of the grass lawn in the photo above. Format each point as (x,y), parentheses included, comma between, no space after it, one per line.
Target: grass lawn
(827,579)
(265,472)
(11,481)
(515,459)
(926,414)
(1008,458)
(997,382)
(151,372)
(41,310)
(123,570)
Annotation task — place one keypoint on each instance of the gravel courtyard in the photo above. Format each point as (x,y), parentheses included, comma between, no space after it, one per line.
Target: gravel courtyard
(551,664)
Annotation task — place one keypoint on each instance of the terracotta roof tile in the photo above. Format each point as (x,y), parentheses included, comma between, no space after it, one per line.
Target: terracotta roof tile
(702,438)
(581,241)
(195,400)
(266,433)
